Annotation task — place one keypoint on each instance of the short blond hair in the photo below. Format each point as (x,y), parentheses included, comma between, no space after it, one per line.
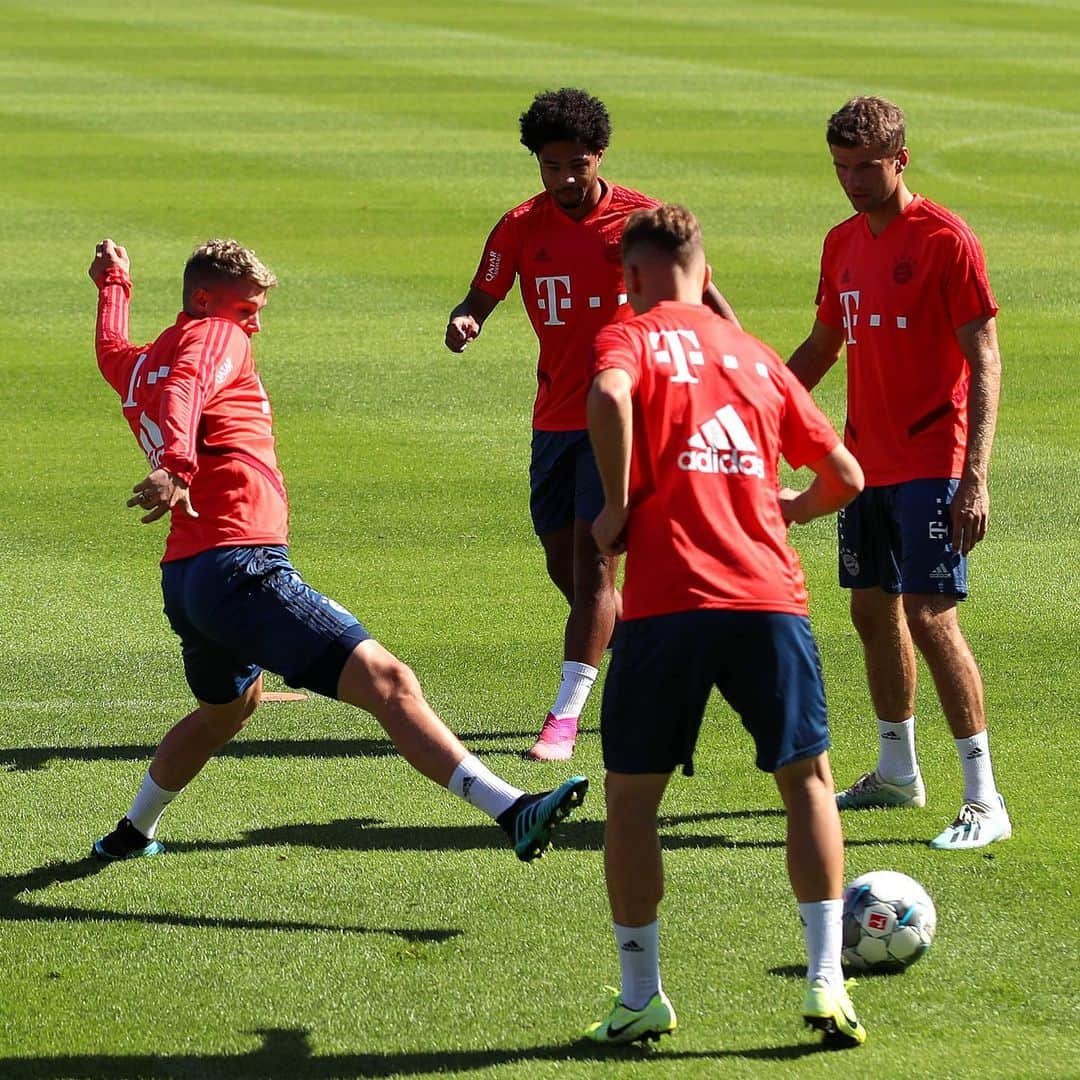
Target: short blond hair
(219,261)
(869,122)
(668,230)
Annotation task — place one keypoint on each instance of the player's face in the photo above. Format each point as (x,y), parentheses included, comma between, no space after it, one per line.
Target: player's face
(570,173)
(869,175)
(239,302)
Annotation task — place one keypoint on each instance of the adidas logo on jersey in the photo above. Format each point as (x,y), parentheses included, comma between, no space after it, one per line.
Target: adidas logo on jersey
(723,445)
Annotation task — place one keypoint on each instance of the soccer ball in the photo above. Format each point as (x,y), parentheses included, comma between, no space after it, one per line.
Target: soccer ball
(889,921)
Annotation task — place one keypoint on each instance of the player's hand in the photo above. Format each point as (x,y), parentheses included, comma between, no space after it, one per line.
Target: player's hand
(460,331)
(159,493)
(970,514)
(609,530)
(788,506)
(106,256)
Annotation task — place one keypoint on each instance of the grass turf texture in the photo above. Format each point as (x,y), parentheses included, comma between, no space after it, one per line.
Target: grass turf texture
(323,911)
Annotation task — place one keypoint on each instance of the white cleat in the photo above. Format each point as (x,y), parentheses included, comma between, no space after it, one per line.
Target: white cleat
(975,826)
(871,790)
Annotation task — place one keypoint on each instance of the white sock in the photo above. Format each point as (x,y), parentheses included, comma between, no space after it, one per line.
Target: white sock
(577,681)
(823,932)
(474,782)
(979,783)
(149,805)
(896,751)
(639,962)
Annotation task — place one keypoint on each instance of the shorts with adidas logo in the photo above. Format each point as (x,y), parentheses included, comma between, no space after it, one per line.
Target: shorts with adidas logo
(664,667)
(898,538)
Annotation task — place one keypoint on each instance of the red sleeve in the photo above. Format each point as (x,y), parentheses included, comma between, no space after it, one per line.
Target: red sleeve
(498,265)
(827,299)
(806,435)
(616,346)
(202,358)
(967,285)
(116,355)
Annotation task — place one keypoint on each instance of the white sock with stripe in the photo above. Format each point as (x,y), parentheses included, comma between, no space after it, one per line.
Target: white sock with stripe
(149,805)
(896,751)
(639,962)
(577,681)
(979,783)
(474,782)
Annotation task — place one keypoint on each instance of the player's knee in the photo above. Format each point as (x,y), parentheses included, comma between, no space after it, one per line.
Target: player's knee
(931,625)
(397,683)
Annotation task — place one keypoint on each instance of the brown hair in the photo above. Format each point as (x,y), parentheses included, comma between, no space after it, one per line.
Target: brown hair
(867,121)
(219,261)
(669,230)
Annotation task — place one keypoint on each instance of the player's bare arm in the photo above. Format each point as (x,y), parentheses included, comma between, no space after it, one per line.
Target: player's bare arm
(467,319)
(610,429)
(838,479)
(970,508)
(158,493)
(813,358)
(108,255)
(716,300)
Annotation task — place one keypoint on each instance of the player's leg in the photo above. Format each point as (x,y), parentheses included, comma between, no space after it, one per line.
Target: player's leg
(934,580)
(870,554)
(654,698)
(936,631)
(767,650)
(557,493)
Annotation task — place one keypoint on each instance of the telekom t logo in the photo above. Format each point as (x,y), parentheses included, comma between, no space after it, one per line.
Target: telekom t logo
(547,289)
(849,301)
(667,347)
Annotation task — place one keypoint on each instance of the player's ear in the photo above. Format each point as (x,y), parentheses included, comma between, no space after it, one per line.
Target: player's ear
(599,157)
(633,278)
(199,302)
(902,158)
(707,279)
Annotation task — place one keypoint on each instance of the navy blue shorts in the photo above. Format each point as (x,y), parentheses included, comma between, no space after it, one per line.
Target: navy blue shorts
(765,664)
(241,609)
(564,480)
(898,538)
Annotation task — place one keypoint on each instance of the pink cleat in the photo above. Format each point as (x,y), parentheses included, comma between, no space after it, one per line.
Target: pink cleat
(556,741)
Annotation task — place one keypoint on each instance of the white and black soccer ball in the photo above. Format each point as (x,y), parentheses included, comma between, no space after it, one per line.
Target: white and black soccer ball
(889,921)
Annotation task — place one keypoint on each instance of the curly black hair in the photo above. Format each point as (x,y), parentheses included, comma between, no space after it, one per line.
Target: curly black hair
(572,114)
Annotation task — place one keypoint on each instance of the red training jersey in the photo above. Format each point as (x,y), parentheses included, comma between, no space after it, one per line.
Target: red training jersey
(899,299)
(713,410)
(571,284)
(196,406)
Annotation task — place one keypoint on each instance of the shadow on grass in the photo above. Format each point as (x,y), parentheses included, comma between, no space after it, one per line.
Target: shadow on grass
(286,1055)
(13,908)
(31,758)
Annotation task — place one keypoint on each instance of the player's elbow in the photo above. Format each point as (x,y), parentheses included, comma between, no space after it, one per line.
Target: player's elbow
(848,480)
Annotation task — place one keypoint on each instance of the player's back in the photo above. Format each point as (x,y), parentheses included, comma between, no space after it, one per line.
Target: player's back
(714,408)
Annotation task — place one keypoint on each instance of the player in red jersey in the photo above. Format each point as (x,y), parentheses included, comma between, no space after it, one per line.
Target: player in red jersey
(904,288)
(689,417)
(563,246)
(194,401)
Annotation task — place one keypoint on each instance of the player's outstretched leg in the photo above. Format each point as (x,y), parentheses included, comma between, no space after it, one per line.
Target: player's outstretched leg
(374,679)
(183,752)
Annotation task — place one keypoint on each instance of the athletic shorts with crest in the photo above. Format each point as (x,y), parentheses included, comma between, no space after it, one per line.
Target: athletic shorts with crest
(238,610)
(899,538)
(663,668)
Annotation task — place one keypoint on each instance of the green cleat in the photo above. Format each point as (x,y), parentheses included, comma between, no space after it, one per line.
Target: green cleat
(623,1025)
(125,842)
(532,819)
(830,1010)
(871,790)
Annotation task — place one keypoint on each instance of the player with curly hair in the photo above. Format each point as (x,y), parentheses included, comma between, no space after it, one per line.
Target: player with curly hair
(563,247)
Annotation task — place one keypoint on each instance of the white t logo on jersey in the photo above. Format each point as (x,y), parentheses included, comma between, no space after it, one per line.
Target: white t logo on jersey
(547,289)
(667,347)
(849,301)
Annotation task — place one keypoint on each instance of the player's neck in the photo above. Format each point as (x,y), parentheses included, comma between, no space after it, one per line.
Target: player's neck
(878,220)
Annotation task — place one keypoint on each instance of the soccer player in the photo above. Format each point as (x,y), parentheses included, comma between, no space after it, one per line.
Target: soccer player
(563,245)
(196,405)
(689,416)
(904,288)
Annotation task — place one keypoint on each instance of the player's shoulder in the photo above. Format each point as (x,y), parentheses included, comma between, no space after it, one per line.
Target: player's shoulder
(628,199)
(936,220)
(530,208)
(843,230)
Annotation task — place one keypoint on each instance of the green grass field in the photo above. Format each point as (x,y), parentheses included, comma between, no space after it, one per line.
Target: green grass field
(322,911)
